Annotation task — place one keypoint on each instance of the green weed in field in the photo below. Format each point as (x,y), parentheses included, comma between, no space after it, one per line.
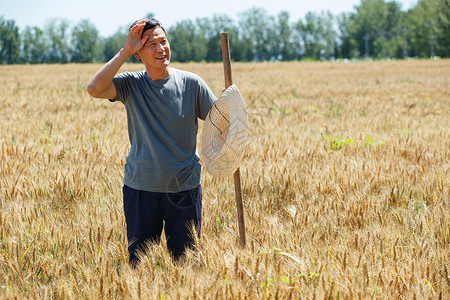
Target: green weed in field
(369,141)
(337,143)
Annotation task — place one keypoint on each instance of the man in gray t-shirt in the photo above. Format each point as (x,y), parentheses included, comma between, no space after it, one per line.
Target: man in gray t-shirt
(162,170)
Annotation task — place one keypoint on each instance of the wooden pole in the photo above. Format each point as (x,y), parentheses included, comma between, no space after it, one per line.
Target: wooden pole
(237,174)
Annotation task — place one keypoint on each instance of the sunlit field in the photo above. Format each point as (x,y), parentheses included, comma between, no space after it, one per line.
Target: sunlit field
(346,188)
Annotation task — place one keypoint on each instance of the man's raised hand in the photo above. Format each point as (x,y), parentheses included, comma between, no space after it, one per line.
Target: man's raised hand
(135,41)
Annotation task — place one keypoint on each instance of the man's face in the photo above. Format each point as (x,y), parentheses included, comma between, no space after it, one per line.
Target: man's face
(156,51)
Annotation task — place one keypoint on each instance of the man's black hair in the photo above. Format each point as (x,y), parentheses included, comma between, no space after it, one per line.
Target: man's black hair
(149,24)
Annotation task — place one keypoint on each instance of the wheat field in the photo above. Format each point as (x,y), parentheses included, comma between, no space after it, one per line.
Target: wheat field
(345,182)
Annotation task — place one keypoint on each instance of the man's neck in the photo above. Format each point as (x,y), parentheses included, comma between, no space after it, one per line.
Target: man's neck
(158,74)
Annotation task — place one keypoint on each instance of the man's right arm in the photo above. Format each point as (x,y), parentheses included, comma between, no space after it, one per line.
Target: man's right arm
(101,85)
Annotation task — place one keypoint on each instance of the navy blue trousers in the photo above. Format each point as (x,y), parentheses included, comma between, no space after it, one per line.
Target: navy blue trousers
(146,214)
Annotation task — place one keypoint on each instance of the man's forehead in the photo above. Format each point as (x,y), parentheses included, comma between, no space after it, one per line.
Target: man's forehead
(155,33)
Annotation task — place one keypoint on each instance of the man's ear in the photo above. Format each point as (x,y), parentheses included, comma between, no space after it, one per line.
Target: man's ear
(137,55)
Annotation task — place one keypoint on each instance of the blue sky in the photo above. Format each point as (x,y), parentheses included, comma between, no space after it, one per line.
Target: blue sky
(108,16)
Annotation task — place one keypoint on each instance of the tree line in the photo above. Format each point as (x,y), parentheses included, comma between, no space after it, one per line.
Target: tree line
(377,29)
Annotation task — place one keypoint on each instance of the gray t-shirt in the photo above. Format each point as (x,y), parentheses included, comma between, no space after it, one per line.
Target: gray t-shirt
(162,127)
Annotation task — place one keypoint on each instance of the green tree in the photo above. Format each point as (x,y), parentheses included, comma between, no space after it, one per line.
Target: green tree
(318,38)
(343,45)
(285,44)
(329,36)
(258,33)
(374,23)
(34,45)
(429,24)
(309,35)
(187,42)
(56,32)
(9,42)
(419,31)
(240,49)
(27,44)
(84,42)
(211,30)
(443,28)
(114,43)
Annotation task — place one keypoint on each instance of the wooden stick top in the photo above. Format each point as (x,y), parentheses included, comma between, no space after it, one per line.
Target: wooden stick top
(226,59)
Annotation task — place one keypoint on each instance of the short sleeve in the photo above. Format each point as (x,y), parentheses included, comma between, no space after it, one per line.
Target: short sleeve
(122,84)
(205,99)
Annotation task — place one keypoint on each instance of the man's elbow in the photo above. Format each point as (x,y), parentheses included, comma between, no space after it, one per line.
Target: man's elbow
(97,90)
(92,90)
